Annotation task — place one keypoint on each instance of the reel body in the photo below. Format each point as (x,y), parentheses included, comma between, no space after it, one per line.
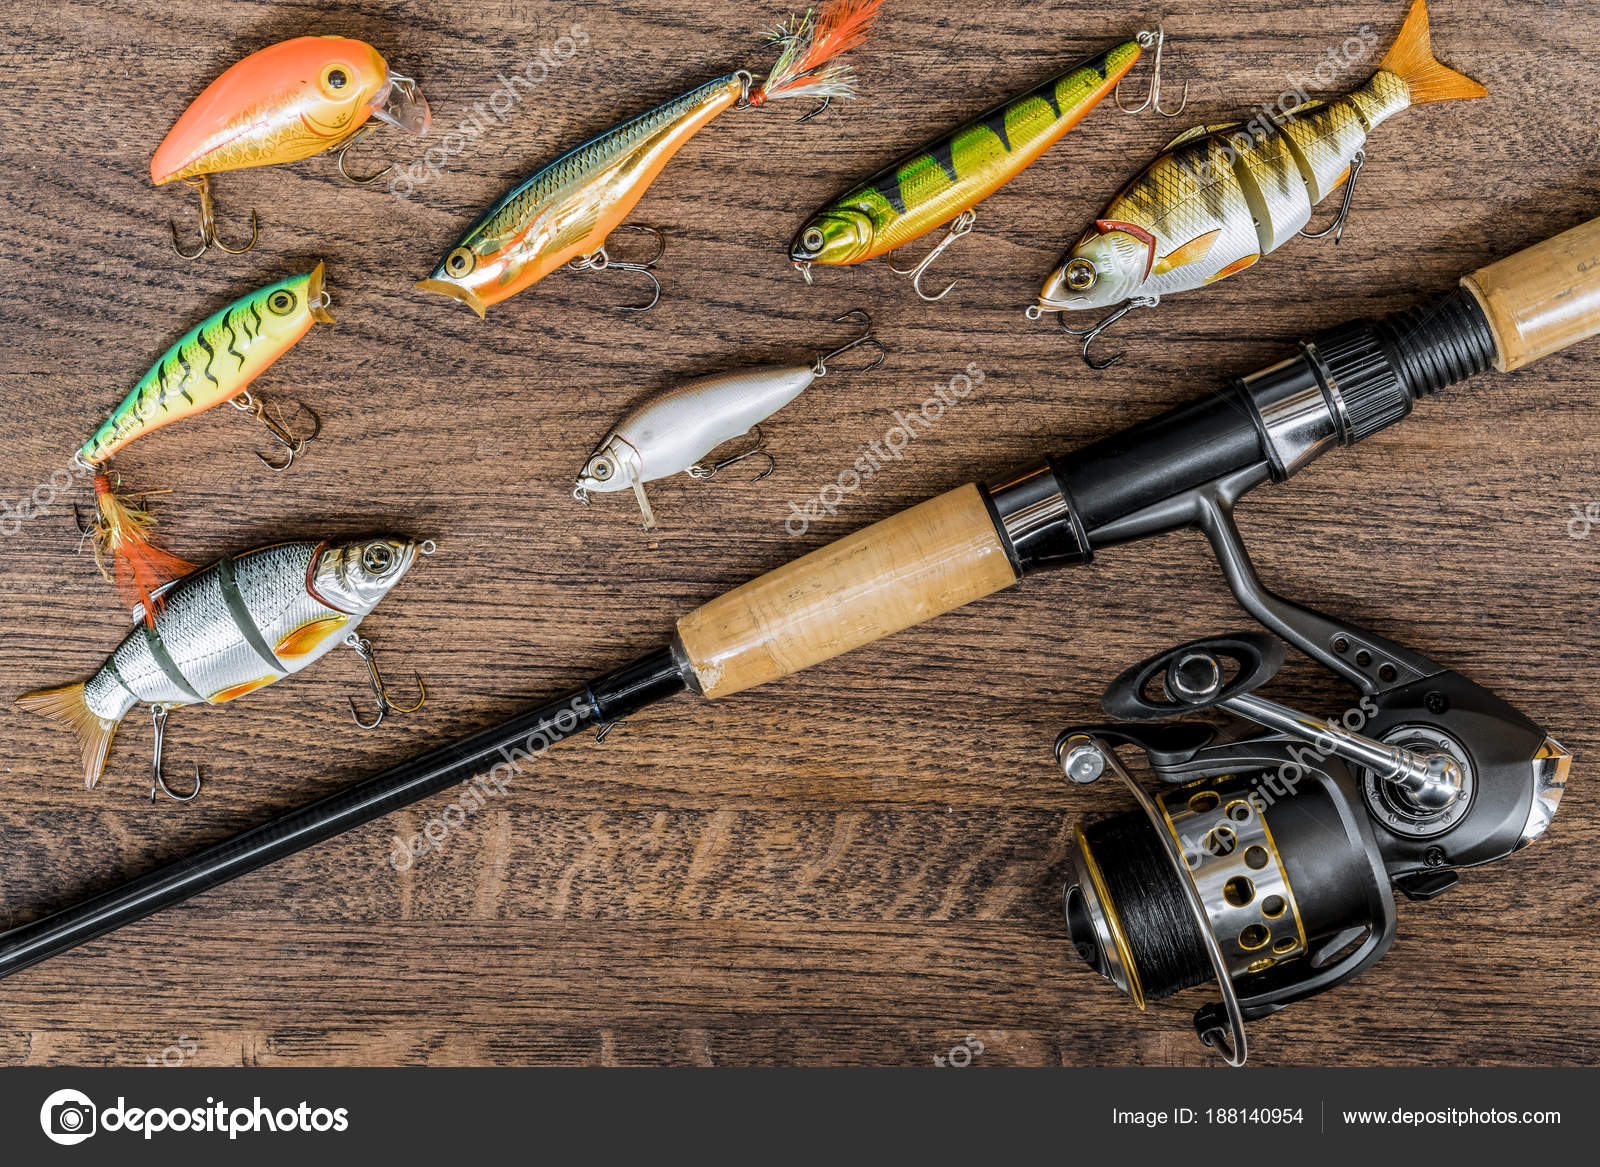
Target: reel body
(1269,863)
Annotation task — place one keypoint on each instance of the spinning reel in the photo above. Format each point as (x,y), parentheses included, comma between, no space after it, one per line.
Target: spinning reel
(1268,864)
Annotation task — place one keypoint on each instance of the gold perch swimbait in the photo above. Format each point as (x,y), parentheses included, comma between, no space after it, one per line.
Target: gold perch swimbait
(946,178)
(564,212)
(1220,197)
(228,630)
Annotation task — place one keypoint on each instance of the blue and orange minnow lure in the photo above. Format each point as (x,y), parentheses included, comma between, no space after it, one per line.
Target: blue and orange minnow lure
(564,212)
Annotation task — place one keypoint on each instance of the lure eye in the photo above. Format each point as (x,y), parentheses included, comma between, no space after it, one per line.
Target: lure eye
(461,261)
(813,239)
(378,558)
(335,80)
(1081,275)
(600,470)
(281,303)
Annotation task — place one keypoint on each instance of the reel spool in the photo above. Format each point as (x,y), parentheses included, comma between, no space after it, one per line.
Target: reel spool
(1267,865)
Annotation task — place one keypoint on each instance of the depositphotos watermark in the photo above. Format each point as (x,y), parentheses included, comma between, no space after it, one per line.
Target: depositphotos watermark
(1584,519)
(961,1054)
(1339,60)
(873,456)
(68,1117)
(490,111)
(477,791)
(37,503)
(1267,789)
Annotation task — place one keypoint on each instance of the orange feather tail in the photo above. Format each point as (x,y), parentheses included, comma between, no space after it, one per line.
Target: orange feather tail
(123,535)
(809,44)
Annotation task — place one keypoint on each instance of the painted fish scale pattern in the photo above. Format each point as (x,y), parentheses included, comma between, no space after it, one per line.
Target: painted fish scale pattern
(1383,96)
(1326,138)
(136,664)
(272,584)
(911,196)
(248,140)
(1274,185)
(197,627)
(1187,193)
(106,697)
(507,218)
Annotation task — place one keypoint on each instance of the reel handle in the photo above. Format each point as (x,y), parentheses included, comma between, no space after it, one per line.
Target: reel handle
(1543,299)
(1195,676)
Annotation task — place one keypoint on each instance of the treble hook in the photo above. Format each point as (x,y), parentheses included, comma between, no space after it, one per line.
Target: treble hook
(826,102)
(1153,99)
(959,227)
(294,444)
(86,531)
(345,149)
(363,649)
(208,224)
(1337,230)
(1090,335)
(821,367)
(601,260)
(157,782)
(703,471)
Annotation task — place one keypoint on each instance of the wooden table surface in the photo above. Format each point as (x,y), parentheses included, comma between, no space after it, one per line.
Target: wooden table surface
(861,864)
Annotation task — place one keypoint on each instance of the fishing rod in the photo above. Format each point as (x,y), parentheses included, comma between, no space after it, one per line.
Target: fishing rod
(1184,469)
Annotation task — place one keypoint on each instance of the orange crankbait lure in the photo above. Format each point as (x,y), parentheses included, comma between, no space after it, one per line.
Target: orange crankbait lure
(287,102)
(562,214)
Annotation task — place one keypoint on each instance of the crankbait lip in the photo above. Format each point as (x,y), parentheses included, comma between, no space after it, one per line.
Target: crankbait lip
(457,292)
(274,86)
(412,115)
(317,297)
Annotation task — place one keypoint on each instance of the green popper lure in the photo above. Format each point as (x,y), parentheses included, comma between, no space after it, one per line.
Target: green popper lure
(943,180)
(215,361)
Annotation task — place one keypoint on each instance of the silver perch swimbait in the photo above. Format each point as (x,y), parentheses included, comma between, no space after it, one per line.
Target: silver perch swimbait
(229,629)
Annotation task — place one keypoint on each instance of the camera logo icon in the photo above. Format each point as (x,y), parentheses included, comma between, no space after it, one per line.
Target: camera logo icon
(68,1117)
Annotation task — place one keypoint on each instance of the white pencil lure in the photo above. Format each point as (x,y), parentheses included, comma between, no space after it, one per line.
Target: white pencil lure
(675,431)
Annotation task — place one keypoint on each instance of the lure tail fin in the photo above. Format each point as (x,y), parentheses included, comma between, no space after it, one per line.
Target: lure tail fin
(69,705)
(123,534)
(810,43)
(1413,61)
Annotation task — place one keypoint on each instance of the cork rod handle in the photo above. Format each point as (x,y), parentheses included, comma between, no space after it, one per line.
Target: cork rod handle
(908,568)
(1544,299)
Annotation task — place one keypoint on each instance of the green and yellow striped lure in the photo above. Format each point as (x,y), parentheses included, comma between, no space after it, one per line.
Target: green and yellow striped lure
(945,179)
(215,361)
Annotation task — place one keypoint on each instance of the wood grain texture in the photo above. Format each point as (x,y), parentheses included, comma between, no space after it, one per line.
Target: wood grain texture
(860,863)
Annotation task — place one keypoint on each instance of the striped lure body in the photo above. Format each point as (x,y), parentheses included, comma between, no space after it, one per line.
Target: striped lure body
(229,629)
(1221,197)
(214,361)
(566,209)
(931,185)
